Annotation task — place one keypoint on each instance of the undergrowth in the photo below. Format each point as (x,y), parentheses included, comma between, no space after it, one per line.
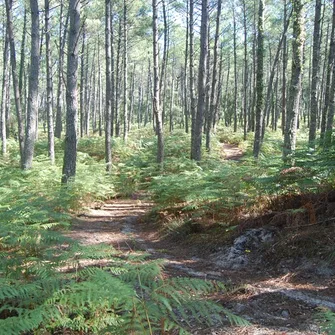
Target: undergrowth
(327,320)
(45,286)
(44,283)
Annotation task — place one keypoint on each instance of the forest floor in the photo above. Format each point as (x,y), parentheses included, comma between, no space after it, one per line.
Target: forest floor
(278,297)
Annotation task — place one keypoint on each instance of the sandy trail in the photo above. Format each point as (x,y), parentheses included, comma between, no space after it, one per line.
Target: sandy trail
(272,303)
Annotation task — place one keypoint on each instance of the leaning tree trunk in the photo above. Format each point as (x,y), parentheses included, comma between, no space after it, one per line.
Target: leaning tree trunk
(156,106)
(295,85)
(32,112)
(70,150)
(51,139)
(196,145)
(259,80)
(315,73)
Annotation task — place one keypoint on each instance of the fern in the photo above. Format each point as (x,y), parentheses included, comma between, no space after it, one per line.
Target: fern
(327,320)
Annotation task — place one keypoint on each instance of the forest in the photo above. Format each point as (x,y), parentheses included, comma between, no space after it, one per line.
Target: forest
(167,167)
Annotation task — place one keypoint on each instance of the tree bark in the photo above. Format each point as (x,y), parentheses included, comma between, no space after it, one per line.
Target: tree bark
(245,88)
(5,88)
(330,66)
(192,94)
(284,104)
(108,124)
(156,94)
(82,82)
(32,112)
(51,139)
(125,71)
(186,102)
(315,74)
(259,81)
(295,84)
(70,151)
(9,5)
(269,92)
(235,70)
(331,95)
(61,41)
(196,145)
(213,97)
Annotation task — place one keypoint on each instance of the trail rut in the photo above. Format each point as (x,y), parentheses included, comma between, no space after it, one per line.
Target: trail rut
(270,302)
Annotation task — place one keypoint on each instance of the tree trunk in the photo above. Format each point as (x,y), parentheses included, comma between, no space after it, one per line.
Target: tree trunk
(113,93)
(5,88)
(186,102)
(245,88)
(82,82)
(108,124)
(284,104)
(125,71)
(213,97)
(269,92)
(331,96)
(70,151)
(295,85)
(331,58)
(259,81)
(196,145)
(156,95)
(32,111)
(51,139)
(192,95)
(18,107)
(22,55)
(235,71)
(62,38)
(117,83)
(87,94)
(315,74)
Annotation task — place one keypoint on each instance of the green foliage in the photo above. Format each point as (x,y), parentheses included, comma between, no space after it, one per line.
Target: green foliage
(44,287)
(198,186)
(327,320)
(45,282)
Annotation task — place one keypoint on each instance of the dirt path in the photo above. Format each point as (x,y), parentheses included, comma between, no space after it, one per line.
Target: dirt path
(232,152)
(273,303)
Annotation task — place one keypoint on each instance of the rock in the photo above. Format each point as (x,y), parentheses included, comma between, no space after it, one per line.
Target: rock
(239,308)
(238,255)
(285,314)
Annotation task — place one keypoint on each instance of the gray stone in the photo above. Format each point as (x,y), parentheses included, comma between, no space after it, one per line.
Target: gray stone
(237,256)
(239,308)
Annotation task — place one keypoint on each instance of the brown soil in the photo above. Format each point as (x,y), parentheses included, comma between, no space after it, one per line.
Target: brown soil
(232,152)
(275,298)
